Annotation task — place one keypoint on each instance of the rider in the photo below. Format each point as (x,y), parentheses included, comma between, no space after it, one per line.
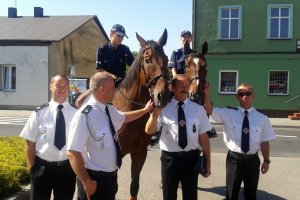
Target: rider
(111,57)
(176,63)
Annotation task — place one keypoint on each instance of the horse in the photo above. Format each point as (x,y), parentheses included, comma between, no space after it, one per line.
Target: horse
(196,71)
(146,79)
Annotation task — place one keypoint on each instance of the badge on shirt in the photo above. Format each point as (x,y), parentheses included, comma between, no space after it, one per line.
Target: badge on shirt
(245,130)
(194,128)
(181,122)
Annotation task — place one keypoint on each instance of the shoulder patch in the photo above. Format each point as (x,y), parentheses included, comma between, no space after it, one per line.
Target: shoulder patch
(41,107)
(229,107)
(87,109)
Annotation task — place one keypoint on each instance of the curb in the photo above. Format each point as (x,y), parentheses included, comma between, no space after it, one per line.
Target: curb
(24,194)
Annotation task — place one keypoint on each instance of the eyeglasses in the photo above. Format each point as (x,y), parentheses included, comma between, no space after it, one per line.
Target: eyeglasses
(241,94)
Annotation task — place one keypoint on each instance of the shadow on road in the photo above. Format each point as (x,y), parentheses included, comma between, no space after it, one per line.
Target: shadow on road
(260,194)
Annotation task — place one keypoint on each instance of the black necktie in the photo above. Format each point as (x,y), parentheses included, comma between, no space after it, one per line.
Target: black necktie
(182,138)
(245,133)
(60,129)
(115,137)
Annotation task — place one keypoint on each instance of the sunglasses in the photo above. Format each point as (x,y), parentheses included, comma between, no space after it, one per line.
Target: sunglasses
(241,94)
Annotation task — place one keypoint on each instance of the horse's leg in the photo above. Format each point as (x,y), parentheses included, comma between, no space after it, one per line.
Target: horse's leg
(137,162)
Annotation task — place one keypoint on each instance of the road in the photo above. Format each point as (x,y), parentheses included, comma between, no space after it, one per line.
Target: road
(287,143)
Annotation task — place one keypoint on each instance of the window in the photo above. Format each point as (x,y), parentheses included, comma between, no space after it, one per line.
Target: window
(229,22)
(278,82)
(280,21)
(228,82)
(8,77)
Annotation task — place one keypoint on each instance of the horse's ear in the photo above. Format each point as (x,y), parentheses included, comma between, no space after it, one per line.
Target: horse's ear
(163,39)
(204,47)
(141,40)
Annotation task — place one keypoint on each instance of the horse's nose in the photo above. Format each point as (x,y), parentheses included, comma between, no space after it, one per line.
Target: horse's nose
(163,98)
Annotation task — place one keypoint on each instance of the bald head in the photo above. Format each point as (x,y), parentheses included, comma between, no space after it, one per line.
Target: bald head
(99,79)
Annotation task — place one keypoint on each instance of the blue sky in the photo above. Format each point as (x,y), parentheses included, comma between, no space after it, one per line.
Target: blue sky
(146,17)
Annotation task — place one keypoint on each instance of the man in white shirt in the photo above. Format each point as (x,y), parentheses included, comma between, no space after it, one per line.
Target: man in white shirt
(246,131)
(180,140)
(93,146)
(45,150)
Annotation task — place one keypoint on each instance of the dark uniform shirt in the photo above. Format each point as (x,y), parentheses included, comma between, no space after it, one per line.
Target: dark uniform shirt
(177,61)
(114,60)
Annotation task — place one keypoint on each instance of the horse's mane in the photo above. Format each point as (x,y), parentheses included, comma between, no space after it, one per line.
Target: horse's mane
(135,69)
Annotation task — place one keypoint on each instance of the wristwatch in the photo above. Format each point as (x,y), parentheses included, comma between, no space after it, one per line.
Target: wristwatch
(267,161)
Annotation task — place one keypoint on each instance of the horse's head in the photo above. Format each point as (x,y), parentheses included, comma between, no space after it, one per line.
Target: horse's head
(154,68)
(195,69)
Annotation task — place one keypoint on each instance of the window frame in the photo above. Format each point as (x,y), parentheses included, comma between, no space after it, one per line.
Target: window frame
(239,31)
(236,81)
(287,83)
(10,77)
(290,23)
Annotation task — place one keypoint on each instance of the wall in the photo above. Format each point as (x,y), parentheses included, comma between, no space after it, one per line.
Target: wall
(31,76)
(79,49)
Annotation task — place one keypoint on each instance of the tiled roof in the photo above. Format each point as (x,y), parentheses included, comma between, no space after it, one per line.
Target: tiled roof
(47,28)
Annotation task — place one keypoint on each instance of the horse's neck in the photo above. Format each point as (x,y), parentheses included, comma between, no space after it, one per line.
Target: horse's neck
(127,100)
(138,93)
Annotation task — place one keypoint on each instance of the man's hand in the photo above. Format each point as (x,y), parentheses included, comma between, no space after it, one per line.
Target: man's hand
(90,187)
(149,106)
(264,168)
(208,173)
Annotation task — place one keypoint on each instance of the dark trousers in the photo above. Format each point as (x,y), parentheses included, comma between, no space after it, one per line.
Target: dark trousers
(179,167)
(107,186)
(242,168)
(47,176)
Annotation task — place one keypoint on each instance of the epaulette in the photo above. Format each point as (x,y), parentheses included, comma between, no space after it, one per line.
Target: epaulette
(87,109)
(229,107)
(41,107)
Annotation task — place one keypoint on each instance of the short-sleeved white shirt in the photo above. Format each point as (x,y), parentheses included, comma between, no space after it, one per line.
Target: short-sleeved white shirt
(196,123)
(90,134)
(232,118)
(40,128)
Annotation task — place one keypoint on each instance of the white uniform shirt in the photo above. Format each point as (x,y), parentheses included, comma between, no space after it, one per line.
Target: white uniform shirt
(90,134)
(40,128)
(196,123)
(232,118)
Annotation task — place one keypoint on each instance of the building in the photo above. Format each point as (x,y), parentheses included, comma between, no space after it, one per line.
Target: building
(257,42)
(34,48)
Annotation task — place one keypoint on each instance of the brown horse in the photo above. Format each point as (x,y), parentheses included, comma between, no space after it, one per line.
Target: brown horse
(195,69)
(146,79)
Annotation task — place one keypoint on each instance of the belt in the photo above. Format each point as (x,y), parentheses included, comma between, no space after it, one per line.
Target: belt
(182,153)
(242,155)
(102,173)
(57,164)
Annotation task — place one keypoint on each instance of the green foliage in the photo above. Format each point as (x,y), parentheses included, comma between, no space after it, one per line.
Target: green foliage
(13,171)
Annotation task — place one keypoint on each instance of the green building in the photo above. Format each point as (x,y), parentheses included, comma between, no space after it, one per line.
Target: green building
(256,42)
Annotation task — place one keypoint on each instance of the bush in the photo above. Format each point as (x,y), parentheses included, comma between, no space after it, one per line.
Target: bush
(13,172)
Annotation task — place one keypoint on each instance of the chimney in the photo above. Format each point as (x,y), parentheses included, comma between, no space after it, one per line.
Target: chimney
(12,12)
(38,12)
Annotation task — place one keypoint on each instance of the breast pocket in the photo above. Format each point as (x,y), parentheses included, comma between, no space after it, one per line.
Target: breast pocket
(255,133)
(236,131)
(45,130)
(192,126)
(170,127)
(103,138)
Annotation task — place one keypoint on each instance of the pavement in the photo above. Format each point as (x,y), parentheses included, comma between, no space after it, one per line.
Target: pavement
(280,183)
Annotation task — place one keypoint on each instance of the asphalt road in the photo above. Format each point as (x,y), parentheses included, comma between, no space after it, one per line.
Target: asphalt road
(287,143)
